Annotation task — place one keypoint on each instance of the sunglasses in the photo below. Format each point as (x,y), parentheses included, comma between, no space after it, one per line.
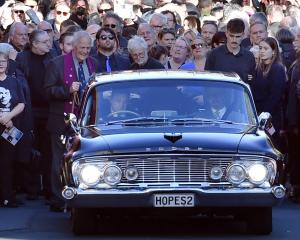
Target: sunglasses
(63,13)
(103,37)
(19,11)
(200,45)
(110,25)
(104,10)
(48,30)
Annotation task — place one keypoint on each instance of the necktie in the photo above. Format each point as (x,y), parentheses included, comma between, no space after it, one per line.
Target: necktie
(81,78)
(108,68)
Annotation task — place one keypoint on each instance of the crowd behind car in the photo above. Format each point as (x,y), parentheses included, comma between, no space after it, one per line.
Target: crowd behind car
(49,51)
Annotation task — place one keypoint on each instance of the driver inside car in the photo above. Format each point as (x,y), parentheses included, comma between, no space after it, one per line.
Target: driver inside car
(119,102)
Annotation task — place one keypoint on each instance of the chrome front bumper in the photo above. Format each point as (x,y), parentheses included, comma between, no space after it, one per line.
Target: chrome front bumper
(144,198)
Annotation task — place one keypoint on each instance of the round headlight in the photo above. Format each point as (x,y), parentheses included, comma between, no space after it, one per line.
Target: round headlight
(216,173)
(257,173)
(112,175)
(236,174)
(90,175)
(131,173)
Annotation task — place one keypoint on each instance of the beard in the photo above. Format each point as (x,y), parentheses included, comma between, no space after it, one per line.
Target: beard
(107,48)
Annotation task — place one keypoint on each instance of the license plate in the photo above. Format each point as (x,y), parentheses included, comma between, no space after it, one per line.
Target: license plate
(174,200)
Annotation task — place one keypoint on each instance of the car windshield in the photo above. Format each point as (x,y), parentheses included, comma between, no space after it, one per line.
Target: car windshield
(172,101)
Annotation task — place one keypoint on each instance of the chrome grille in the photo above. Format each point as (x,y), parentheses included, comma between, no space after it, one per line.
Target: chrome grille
(174,169)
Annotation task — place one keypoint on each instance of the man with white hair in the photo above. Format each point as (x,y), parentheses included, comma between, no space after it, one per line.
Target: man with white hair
(158,21)
(18,36)
(65,81)
(138,50)
(148,33)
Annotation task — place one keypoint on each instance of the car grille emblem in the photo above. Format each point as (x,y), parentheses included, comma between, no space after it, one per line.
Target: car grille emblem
(173,137)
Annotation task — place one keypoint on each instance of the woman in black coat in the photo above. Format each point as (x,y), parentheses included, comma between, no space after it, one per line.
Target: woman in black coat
(268,85)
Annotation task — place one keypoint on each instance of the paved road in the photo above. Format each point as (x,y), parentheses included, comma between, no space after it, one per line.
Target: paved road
(34,221)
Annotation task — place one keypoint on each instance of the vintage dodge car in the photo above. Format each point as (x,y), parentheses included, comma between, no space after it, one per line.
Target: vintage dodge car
(170,142)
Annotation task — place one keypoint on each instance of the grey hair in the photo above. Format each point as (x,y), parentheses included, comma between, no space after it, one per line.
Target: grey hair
(5,48)
(151,29)
(79,35)
(136,42)
(162,17)
(13,28)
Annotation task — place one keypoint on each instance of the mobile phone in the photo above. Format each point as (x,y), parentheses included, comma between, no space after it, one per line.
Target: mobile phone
(32,15)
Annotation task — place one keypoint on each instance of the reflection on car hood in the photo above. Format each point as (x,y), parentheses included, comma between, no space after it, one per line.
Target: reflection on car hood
(131,140)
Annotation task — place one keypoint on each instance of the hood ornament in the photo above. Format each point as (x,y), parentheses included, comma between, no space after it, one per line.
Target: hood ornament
(173,137)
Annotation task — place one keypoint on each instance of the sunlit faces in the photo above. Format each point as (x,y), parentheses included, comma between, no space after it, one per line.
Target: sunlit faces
(20,37)
(42,44)
(156,23)
(18,14)
(171,20)
(199,48)
(179,49)
(139,55)
(234,40)
(112,24)
(106,41)
(61,13)
(265,51)
(167,40)
(67,45)
(258,32)
(147,33)
(207,32)
(82,49)
(103,8)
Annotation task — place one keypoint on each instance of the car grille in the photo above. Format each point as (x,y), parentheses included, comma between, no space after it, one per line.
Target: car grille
(174,169)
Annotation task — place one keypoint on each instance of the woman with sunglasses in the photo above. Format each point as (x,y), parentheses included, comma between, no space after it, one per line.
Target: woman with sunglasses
(199,52)
(61,13)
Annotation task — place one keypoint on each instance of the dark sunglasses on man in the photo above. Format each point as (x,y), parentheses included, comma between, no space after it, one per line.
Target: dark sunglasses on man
(104,10)
(19,11)
(103,37)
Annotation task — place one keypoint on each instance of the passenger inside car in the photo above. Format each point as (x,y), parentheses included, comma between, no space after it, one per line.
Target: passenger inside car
(220,105)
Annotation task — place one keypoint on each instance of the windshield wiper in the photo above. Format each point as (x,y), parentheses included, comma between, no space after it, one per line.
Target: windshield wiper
(184,121)
(139,121)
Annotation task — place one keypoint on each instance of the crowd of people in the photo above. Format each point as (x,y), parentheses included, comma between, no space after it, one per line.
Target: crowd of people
(50,50)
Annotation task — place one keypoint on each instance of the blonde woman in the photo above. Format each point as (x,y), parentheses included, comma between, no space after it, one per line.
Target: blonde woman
(199,53)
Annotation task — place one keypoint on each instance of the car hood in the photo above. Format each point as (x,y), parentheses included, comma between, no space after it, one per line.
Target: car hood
(219,140)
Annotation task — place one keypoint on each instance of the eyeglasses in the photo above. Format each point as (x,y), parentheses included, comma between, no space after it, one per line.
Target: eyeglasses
(138,55)
(48,30)
(110,25)
(104,10)
(200,45)
(63,13)
(157,26)
(103,37)
(19,11)
(30,6)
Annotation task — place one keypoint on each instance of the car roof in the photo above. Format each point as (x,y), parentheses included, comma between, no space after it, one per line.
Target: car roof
(167,74)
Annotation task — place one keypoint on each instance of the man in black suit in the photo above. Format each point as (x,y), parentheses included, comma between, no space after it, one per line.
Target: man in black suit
(31,66)
(107,55)
(65,82)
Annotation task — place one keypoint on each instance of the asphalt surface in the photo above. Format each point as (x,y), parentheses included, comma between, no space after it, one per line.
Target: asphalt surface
(33,220)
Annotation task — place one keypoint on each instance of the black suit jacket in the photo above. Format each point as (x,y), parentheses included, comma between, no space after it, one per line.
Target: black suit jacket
(117,62)
(58,93)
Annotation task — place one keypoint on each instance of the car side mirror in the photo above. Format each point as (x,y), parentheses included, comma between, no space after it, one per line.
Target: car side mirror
(71,122)
(265,122)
